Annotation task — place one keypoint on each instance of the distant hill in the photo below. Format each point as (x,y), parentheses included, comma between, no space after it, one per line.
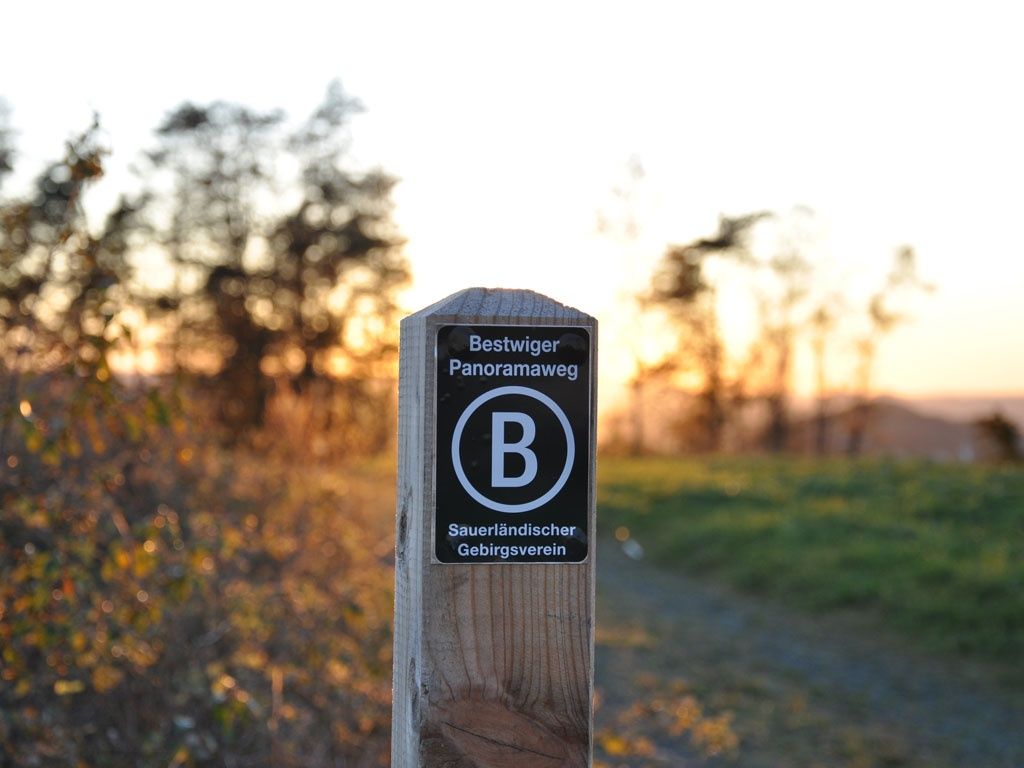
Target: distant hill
(933,427)
(895,428)
(968,408)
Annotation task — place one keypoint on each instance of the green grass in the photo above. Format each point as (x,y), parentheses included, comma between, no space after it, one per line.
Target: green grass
(937,551)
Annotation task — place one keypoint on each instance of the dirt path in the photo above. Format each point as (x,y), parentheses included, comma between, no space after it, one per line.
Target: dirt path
(803,691)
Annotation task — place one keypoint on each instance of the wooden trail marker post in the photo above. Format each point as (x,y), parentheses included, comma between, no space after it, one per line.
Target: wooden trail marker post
(494,581)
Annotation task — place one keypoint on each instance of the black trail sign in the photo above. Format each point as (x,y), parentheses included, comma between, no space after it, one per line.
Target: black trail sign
(513,444)
(494,572)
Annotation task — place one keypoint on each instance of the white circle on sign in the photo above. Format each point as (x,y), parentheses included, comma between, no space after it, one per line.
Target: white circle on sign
(570,449)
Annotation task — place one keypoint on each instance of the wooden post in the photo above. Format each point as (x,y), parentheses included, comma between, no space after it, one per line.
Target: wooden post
(494,627)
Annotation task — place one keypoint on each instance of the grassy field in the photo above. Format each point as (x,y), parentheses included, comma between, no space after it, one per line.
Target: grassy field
(934,551)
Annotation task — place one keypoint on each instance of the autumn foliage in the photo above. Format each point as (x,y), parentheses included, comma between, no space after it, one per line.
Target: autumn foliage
(164,601)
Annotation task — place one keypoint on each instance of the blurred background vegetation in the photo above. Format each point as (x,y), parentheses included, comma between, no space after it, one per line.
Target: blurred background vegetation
(166,573)
(195,436)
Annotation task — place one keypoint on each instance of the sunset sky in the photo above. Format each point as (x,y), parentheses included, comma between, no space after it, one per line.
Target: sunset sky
(896,122)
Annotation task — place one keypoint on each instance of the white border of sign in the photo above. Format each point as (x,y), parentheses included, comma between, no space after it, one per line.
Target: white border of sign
(570,449)
(433,329)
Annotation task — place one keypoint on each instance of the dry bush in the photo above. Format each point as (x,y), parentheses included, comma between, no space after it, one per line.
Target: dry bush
(166,602)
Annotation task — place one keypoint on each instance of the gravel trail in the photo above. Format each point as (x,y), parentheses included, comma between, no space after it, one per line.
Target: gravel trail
(802,691)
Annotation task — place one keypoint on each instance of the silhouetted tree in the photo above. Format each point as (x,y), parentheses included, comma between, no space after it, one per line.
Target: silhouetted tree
(681,288)
(271,276)
(775,251)
(902,279)
(62,287)
(1002,435)
(785,284)
(822,323)
(217,159)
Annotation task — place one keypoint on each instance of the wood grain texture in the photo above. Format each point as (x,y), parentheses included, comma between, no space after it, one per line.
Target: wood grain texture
(493,664)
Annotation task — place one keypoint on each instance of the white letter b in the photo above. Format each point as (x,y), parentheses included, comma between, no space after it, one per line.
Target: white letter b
(499,448)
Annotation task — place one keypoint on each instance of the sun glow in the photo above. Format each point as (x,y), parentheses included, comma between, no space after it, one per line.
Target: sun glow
(895,123)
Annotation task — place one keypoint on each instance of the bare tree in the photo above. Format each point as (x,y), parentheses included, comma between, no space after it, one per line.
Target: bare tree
(823,322)
(682,289)
(782,287)
(902,280)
